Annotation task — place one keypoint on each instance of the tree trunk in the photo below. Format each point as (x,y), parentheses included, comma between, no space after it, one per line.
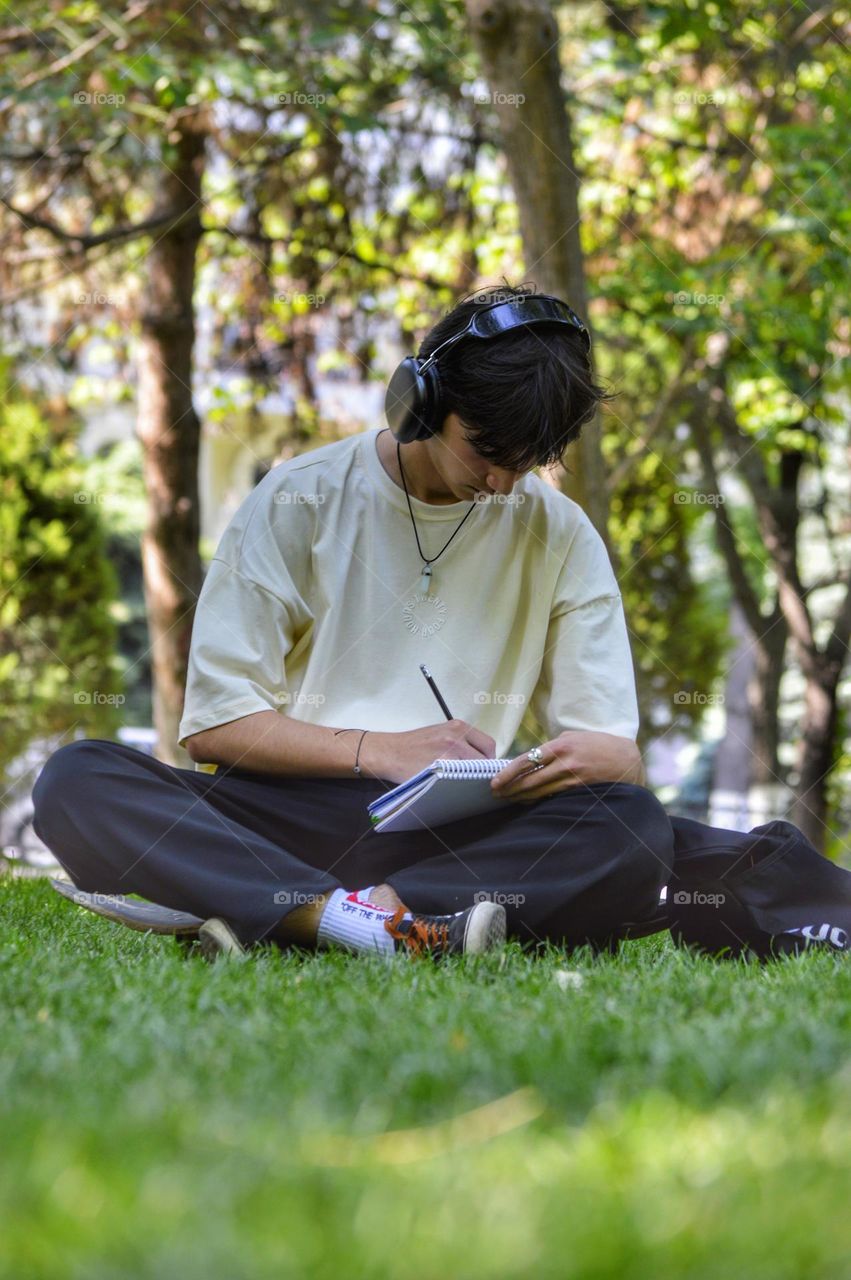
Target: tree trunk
(733,768)
(169,431)
(518,43)
(764,700)
(815,757)
(769,632)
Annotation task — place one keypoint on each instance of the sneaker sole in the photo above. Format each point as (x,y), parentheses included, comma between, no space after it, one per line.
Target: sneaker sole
(216,938)
(486,928)
(146,917)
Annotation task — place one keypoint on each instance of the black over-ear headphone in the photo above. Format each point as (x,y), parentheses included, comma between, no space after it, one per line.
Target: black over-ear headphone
(414,401)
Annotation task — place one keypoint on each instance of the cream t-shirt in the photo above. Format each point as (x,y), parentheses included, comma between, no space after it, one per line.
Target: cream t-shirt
(312,607)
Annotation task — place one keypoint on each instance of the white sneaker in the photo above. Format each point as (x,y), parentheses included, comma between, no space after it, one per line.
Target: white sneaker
(217,938)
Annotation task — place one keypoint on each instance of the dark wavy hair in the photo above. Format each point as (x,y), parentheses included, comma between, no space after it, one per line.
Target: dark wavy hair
(523,396)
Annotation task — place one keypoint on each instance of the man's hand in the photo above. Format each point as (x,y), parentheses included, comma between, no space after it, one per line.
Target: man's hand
(575,758)
(398,756)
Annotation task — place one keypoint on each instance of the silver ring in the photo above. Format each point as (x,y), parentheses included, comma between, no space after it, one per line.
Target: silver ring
(535,756)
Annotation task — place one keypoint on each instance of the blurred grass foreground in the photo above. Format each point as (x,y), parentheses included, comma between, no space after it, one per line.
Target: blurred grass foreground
(308,1116)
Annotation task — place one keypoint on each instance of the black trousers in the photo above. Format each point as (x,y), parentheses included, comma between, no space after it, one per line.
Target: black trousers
(584,865)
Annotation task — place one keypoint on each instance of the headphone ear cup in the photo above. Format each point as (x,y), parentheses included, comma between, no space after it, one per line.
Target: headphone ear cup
(433,413)
(406,402)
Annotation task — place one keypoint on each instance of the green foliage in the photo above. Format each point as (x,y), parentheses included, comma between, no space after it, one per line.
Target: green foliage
(714,221)
(57,638)
(677,623)
(116,473)
(715,214)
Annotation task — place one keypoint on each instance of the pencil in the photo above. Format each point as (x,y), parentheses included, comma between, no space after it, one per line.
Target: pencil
(435,691)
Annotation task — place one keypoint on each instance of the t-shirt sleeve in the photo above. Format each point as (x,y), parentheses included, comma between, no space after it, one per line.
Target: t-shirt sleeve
(587,679)
(243,630)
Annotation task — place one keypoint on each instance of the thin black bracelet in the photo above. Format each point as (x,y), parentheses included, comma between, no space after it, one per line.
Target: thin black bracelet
(356,768)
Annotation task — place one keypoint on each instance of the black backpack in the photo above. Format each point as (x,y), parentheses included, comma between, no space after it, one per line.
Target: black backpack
(757,894)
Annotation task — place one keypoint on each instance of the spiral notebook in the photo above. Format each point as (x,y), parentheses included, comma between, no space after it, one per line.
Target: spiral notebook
(442,792)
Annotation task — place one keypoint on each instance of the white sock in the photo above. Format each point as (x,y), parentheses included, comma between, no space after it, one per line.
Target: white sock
(350,921)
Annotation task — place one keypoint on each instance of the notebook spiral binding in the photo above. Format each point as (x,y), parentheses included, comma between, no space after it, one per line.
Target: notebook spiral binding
(468,768)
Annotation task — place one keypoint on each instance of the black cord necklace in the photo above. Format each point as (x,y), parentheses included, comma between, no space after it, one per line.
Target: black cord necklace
(426,578)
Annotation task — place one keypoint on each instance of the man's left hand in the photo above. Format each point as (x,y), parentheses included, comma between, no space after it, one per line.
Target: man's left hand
(575,758)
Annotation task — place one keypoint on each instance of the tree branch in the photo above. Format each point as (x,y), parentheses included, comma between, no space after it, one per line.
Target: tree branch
(726,535)
(836,649)
(781,547)
(657,419)
(378,264)
(74,55)
(54,154)
(82,241)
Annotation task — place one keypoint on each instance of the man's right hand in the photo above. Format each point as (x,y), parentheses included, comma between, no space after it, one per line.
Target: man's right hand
(398,756)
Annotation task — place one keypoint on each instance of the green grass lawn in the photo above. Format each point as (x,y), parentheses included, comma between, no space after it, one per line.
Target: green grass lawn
(328,1115)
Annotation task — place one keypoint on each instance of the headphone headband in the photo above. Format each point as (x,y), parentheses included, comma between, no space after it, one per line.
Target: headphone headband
(501,317)
(413,402)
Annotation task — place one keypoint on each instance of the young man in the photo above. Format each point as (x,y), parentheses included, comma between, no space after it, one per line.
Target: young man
(341,572)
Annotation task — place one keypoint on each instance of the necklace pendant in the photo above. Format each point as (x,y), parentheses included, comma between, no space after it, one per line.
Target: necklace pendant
(425,579)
